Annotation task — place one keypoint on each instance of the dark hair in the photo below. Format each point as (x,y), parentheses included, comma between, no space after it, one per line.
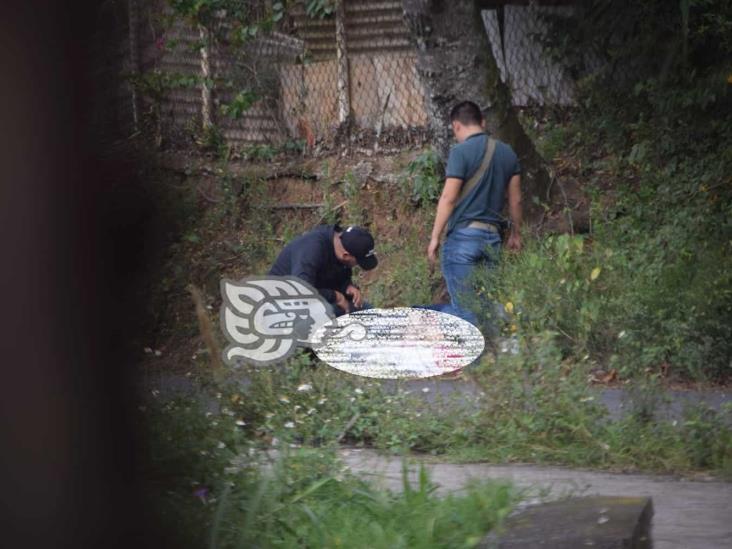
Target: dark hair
(466,112)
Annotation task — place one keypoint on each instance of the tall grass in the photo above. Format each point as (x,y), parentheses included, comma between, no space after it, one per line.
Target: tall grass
(215,488)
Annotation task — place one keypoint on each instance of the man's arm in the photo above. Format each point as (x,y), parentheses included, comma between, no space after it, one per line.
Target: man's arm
(515,211)
(305,267)
(448,199)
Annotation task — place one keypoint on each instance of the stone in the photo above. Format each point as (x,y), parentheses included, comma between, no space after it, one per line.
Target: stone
(600,522)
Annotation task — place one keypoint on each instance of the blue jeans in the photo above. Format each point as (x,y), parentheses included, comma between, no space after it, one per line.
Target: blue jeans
(463,251)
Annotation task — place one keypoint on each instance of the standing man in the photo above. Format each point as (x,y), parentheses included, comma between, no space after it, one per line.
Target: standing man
(324,258)
(481,171)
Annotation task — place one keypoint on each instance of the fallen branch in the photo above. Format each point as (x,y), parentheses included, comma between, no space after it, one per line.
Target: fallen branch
(292,175)
(300,206)
(207,331)
(338,207)
(348,426)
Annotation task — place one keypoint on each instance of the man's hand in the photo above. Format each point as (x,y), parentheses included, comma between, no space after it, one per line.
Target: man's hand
(514,241)
(342,302)
(355,294)
(432,251)
(445,206)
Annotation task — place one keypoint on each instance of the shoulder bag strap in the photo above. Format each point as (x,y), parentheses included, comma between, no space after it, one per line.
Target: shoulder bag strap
(470,184)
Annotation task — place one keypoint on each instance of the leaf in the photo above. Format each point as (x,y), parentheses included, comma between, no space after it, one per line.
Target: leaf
(310,489)
(595,273)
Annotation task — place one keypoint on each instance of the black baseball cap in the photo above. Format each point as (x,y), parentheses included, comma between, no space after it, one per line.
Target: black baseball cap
(360,244)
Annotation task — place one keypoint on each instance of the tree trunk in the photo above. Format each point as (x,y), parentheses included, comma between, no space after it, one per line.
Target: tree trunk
(455,62)
(206,95)
(344,92)
(133,22)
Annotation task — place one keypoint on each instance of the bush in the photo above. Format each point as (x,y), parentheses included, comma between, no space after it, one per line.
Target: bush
(426,178)
(654,148)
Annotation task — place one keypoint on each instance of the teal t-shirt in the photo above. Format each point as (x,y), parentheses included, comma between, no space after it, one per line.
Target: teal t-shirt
(485,201)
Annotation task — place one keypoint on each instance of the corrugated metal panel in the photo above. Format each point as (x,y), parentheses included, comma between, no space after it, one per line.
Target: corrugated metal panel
(301,71)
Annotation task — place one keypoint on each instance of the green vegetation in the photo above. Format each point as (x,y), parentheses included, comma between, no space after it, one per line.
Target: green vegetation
(407,280)
(216,486)
(424,178)
(538,407)
(648,289)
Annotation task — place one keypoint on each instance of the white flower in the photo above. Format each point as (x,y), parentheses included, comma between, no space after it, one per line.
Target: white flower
(297,407)
(352,399)
(322,401)
(148,350)
(311,411)
(158,353)
(241,423)
(358,391)
(621,334)
(269,415)
(284,400)
(425,389)
(304,388)
(289,425)
(220,445)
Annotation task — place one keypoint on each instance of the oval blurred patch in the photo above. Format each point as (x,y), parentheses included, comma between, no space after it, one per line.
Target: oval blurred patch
(399,343)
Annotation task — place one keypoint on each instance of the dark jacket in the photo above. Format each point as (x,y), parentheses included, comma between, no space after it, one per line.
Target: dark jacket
(311,257)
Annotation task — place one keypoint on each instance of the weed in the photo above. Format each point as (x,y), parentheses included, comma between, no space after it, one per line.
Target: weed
(207,470)
(352,191)
(423,180)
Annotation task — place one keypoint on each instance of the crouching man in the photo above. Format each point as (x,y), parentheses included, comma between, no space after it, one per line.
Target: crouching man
(324,258)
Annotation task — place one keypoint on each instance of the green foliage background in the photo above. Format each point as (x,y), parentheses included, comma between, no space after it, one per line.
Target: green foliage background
(653,140)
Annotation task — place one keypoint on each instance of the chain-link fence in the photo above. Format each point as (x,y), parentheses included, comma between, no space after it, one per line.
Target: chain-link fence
(516,35)
(347,78)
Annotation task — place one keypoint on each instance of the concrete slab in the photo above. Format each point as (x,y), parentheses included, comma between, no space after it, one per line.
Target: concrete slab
(601,522)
